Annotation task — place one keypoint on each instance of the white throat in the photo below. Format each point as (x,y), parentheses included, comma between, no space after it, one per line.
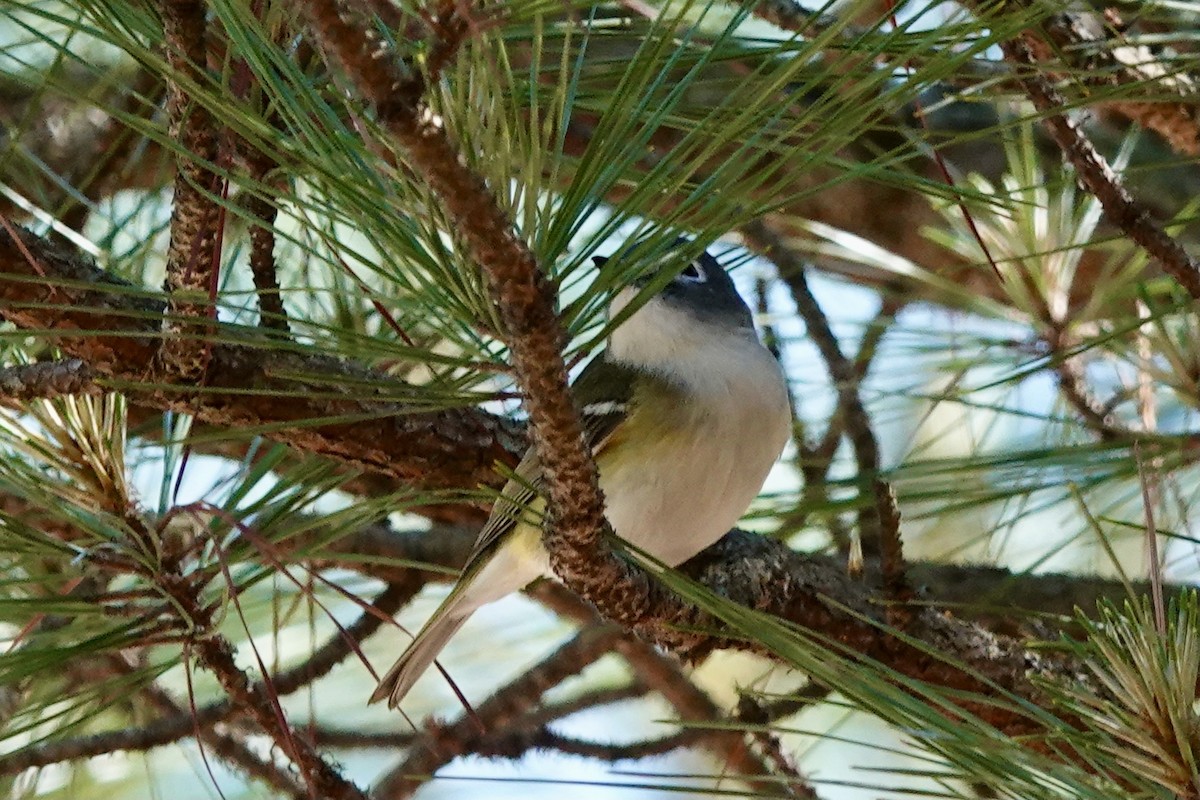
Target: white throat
(702,357)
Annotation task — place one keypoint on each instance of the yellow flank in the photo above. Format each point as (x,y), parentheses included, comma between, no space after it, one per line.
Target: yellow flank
(661,417)
(525,540)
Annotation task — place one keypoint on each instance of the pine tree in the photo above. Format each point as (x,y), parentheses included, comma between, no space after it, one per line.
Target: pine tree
(288,287)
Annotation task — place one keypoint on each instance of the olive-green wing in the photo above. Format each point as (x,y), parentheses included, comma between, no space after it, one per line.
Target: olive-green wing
(602,391)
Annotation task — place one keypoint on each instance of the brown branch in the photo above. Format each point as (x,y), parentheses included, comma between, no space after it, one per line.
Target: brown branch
(996,596)
(516,740)
(229,749)
(891,555)
(217,655)
(546,739)
(757,717)
(46,380)
(256,700)
(81,747)
(574,533)
(880,541)
(311,402)
(1073,386)
(531,727)
(561,709)
(340,645)
(193,256)
(1093,170)
(442,743)
(751,711)
(175,726)
(697,711)
(271,313)
(1099,55)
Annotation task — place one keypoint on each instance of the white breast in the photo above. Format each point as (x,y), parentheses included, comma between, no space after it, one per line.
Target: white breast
(686,491)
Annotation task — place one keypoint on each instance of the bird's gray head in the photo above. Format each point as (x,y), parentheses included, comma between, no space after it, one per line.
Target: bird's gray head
(698,309)
(702,289)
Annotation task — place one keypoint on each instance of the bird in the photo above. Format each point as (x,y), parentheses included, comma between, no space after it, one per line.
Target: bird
(685,411)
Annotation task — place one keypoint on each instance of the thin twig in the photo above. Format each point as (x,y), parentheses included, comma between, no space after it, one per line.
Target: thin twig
(752,711)
(1096,174)
(664,674)
(1073,386)
(228,748)
(528,732)
(1148,473)
(441,743)
(879,543)
(545,739)
(815,461)
(271,313)
(1149,500)
(217,655)
(337,648)
(81,747)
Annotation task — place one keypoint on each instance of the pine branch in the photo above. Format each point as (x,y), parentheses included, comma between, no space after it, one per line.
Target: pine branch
(879,520)
(194,255)
(295,397)
(1094,171)
(271,313)
(531,731)
(1099,55)
(442,743)
(256,700)
(181,724)
(227,747)
(1072,384)
(574,533)
(46,379)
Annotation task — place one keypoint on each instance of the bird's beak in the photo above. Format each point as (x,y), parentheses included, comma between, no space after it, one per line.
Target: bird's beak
(600,261)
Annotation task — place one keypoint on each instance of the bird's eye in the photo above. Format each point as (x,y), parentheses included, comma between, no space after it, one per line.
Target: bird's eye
(693,274)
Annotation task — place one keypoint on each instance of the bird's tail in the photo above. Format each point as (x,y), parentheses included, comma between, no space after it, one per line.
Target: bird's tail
(430,640)
(494,571)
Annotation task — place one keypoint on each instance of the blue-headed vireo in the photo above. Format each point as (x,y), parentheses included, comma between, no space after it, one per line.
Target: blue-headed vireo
(685,411)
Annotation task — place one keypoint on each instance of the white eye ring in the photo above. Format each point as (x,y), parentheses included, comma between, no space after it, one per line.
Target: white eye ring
(693,274)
